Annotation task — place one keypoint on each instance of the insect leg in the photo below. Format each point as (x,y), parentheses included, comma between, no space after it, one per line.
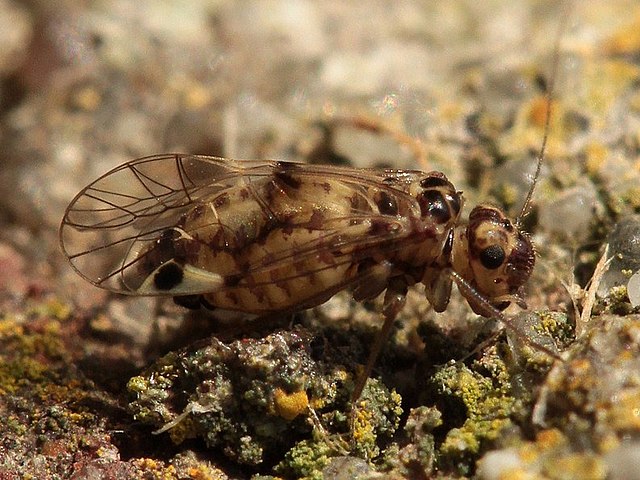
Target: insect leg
(394,300)
(372,282)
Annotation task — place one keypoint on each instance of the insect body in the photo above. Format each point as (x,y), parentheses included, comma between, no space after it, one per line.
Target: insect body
(264,237)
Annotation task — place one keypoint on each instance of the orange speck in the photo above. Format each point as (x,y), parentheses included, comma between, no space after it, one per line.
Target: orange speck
(551,438)
(538,112)
(627,39)
(290,405)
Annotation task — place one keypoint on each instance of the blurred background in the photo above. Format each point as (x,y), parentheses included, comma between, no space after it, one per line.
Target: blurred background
(87,85)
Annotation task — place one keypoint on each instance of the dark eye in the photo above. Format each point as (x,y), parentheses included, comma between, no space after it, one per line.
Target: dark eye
(492,257)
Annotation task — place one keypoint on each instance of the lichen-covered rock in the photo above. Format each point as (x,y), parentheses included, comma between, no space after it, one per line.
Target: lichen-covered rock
(255,398)
(587,413)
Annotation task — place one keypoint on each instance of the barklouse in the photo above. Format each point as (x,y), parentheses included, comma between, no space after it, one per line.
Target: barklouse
(264,237)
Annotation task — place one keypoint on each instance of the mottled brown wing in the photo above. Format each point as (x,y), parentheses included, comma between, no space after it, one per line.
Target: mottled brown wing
(127,210)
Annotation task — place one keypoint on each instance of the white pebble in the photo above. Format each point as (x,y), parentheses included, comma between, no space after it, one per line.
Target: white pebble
(499,464)
(633,289)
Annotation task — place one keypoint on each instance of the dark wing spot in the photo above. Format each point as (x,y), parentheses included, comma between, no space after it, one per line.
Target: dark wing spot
(242,236)
(386,203)
(316,221)
(435,179)
(433,204)
(216,243)
(166,248)
(287,223)
(195,213)
(168,276)
(221,200)
(327,257)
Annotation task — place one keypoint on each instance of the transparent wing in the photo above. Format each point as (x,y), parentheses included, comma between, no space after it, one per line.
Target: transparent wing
(128,210)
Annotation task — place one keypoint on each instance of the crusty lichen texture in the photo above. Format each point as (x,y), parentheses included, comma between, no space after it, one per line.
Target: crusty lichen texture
(255,398)
(587,416)
(48,430)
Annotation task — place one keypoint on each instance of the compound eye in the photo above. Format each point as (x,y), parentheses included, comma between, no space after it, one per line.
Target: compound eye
(492,257)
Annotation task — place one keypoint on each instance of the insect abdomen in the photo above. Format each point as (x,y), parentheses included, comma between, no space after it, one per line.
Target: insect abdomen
(280,243)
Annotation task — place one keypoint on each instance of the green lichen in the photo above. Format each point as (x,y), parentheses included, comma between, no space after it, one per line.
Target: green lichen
(416,458)
(306,460)
(153,390)
(585,422)
(376,420)
(555,325)
(377,415)
(488,404)
(256,398)
(615,301)
(227,394)
(45,395)
(51,308)
(536,343)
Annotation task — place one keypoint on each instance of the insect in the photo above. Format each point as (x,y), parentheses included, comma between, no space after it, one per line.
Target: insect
(265,237)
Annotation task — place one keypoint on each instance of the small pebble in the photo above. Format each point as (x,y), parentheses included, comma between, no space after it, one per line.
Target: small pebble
(624,250)
(345,468)
(633,289)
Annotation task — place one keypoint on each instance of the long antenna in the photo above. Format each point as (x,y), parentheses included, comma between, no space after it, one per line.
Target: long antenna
(547,119)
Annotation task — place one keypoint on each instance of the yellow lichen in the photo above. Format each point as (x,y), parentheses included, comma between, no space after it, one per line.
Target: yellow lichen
(155,469)
(624,414)
(551,439)
(577,465)
(290,405)
(595,157)
(183,430)
(10,329)
(362,426)
(627,39)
